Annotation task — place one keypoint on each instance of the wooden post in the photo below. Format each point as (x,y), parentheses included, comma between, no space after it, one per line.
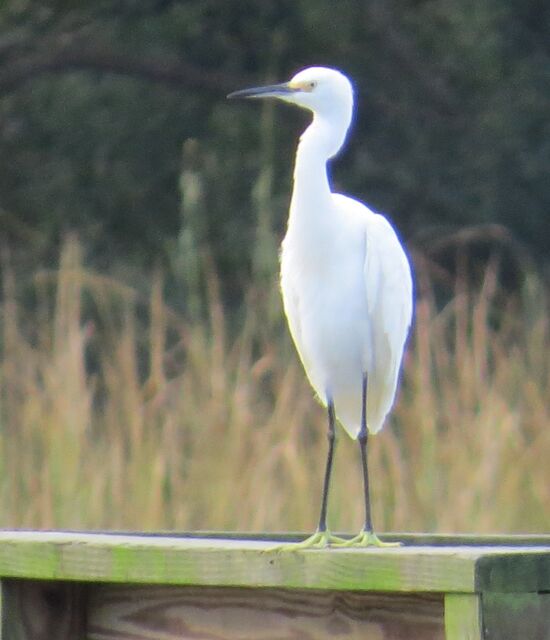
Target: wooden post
(121,587)
(513,616)
(463,616)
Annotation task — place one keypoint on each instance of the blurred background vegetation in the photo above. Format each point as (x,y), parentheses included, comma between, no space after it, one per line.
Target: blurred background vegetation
(146,376)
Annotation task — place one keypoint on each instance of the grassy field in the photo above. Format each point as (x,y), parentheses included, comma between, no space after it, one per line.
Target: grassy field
(118,413)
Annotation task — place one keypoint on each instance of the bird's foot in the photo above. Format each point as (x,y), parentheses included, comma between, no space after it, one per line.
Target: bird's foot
(319,540)
(366,539)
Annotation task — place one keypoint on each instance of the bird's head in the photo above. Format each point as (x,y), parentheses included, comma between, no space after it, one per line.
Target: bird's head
(319,89)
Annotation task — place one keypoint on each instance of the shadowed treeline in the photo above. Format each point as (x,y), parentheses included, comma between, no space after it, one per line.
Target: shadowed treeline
(114,123)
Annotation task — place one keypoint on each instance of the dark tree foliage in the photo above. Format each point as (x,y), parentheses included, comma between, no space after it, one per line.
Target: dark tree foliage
(114,123)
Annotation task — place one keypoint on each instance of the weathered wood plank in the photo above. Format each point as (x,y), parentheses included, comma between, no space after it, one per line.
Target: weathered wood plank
(212,587)
(502,571)
(33,610)
(143,559)
(199,562)
(463,616)
(118,612)
(407,539)
(516,616)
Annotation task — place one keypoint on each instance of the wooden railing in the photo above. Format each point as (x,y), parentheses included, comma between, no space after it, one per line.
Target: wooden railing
(99,586)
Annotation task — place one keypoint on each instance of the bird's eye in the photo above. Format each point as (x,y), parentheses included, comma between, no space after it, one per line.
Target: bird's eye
(312,84)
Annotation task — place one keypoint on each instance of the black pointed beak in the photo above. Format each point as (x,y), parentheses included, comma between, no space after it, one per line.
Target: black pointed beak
(270,91)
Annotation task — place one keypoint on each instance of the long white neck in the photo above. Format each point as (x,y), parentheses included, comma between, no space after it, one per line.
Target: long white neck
(320,141)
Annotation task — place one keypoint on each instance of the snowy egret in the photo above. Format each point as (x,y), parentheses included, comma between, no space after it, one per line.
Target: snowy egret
(346,284)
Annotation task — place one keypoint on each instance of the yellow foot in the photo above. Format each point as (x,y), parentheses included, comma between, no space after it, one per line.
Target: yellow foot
(319,540)
(367,539)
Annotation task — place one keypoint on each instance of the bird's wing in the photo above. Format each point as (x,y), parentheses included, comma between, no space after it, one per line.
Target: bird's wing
(291,308)
(388,285)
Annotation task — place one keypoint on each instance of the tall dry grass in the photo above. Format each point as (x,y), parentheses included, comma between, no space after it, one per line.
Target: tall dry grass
(115,412)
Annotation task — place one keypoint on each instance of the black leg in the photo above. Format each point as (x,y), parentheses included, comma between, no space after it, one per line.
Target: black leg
(363,440)
(328,470)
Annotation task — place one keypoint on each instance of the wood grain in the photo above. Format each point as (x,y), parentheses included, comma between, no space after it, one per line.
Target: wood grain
(33,610)
(463,616)
(68,585)
(206,561)
(165,613)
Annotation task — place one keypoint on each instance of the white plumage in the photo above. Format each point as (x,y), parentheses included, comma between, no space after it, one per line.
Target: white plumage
(347,297)
(345,279)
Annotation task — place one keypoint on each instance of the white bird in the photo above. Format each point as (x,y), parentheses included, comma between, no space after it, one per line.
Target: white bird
(346,283)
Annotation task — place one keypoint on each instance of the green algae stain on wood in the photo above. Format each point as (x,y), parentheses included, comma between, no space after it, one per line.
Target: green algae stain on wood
(516,616)
(175,560)
(463,616)
(141,559)
(29,558)
(475,591)
(513,572)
